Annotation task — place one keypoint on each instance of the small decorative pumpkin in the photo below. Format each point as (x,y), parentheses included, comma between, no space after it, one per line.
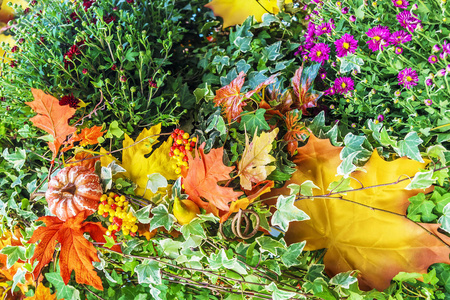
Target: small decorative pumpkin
(74,189)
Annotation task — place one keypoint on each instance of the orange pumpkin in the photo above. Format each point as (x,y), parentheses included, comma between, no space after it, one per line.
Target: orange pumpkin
(73,190)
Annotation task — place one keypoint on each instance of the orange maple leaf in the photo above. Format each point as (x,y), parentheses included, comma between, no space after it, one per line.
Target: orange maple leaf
(52,118)
(205,171)
(296,131)
(366,229)
(89,136)
(77,253)
(42,293)
(230,96)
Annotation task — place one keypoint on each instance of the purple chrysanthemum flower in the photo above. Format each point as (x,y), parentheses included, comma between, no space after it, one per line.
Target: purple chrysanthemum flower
(446,47)
(441,73)
(408,78)
(320,52)
(330,91)
(345,10)
(380,37)
(345,45)
(399,37)
(342,85)
(429,81)
(436,48)
(408,20)
(323,28)
(400,3)
(428,102)
(352,18)
(397,93)
(380,118)
(432,59)
(398,50)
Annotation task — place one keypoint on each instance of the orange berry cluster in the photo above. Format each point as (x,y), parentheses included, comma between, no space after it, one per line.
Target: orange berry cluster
(118,210)
(178,152)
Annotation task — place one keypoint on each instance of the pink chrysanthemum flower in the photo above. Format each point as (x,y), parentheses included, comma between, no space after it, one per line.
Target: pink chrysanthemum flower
(345,45)
(399,37)
(398,50)
(446,47)
(320,52)
(380,38)
(432,59)
(323,29)
(408,78)
(400,3)
(408,20)
(342,85)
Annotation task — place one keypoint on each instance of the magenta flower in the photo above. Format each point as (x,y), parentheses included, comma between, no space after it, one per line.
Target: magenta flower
(408,20)
(446,47)
(320,52)
(398,50)
(408,78)
(432,59)
(345,45)
(345,10)
(352,18)
(323,29)
(436,48)
(342,85)
(428,102)
(399,37)
(443,55)
(400,3)
(380,118)
(380,38)
(429,81)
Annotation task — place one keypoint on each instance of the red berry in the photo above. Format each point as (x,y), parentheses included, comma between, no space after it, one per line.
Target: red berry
(176,130)
(181,132)
(192,144)
(105,215)
(115,220)
(104,202)
(185,158)
(113,232)
(185,142)
(183,151)
(132,233)
(173,135)
(179,137)
(113,206)
(171,154)
(173,148)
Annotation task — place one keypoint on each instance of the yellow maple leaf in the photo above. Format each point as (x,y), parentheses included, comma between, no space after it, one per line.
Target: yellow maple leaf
(253,165)
(137,165)
(366,229)
(42,293)
(235,11)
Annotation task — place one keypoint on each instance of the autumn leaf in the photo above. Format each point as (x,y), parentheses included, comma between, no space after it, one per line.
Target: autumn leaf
(52,118)
(138,163)
(84,159)
(230,98)
(42,293)
(253,165)
(296,131)
(235,12)
(302,84)
(89,136)
(77,253)
(378,242)
(201,180)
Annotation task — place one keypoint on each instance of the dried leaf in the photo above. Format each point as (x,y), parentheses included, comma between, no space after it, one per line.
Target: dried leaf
(77,253)
(89,136)
(235,12)
(253,165)
(52,118)
(201,180)
(378,242)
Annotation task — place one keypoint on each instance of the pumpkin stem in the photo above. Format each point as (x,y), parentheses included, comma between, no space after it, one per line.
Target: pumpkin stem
(69,188)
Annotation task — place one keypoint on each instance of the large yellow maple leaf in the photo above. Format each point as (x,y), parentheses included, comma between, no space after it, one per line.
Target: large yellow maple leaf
(235,12)
(378,242)
(138,163)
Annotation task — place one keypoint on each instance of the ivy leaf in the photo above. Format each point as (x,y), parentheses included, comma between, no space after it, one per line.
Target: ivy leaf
(287,212)
(289,258)
(269,244)
(148,272)
(421,180)
(52,118)
(344,279)
(156,181)
(193,228)
(17,158)
(444,220)
(19,277)
(421,209)
(161,217)
(13,253)
(254,121)
(278,294)
(143,215)
(220,259)
(63,291)
(409,146)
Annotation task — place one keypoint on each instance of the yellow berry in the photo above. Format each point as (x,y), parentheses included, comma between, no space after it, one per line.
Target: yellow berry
(179,158)
(179,142)
(123,198)
(125,203)
(194,139)
(103,198)
(176,151)
(112,213)
(177,171)
(111,194)
(188,148)
(133,219)
(110,201)
(125,232)
(185,135)
(127,226)
(182,155)
(118,210)
(108,233)
(101,206)
(184,163)
(101,212)
(115,227)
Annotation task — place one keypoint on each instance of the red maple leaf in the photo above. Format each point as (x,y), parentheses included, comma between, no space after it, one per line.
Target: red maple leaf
(302,85)
(77,253)
(52,118)
(205,171)
(230,97)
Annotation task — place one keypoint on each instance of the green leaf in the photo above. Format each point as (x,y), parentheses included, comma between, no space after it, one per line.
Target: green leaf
(344,279)
(410,277)
(19,277)
(444,220)
(346,166)
(148,272)
(437,151)
(353,143)
(272,52)
(295,188)
(318,123)
(171,247)
(386,140)
(410,146)
(351,62)
(342,184)
(209,218)
(421,209)
(13,253)
(161,217)
(156,181)
(110,242)
(289,258)
(219,260)
(287,212)
(269,244)
(17,158)
(254,121)
(421,180)
(278,294)
(143,215)
(114,130)
(193,228)
(443,274)
(63,291)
